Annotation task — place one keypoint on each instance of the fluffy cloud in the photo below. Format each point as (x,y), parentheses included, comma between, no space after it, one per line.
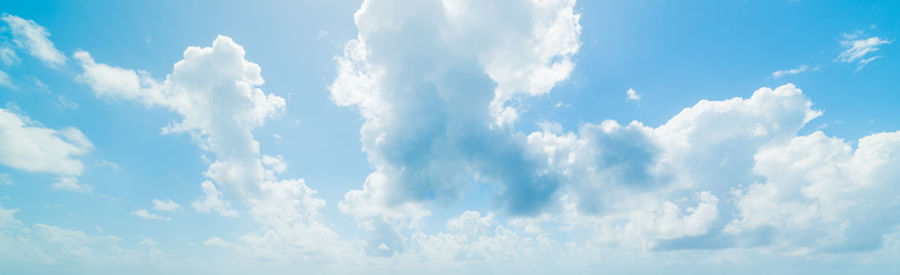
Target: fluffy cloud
(435,84)
(28,146)
(631,94)
(820,193)
(856,50)
(165,205)
(216,92)
(212,201)
(33,37)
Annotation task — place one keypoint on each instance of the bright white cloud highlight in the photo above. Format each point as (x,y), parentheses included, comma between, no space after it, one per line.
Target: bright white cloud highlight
(26,145)
(33,37)
(216,92)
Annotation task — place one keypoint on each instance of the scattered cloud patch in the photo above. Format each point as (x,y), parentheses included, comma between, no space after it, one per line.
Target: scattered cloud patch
(28,146)
(50,245)
(801,69)
(71,184)
(142,213)
(632,95)
(35,38)
(5,80)
(165,205)
(8,56)
(212,201)
(858,50)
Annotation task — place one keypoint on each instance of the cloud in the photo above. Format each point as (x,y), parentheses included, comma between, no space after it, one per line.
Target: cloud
(8,56)
(71,184)
(165,205)
(216,93)
(142,213)
(216,241)
(212,201)
(856,50)
(5,80)
(35,38)
(820,193)
(437,88)
(43,244)
(28,146)
(802,68)
(632,95)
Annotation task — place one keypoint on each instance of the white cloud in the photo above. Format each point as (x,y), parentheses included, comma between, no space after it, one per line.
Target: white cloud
(46,244)
(821,193)
(26,145)
(216,241)
(35,38)
(632,95)
(856,50)
(802,68)
(212,201)
(142,213)
(165,205)
(6,179)
(65,103)
(71,184)
(437,88)
(5,81)
(8,56)
(215,90)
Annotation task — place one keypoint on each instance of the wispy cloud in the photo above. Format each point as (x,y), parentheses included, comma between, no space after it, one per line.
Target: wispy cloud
(857,50)
(35,38)
(801,69)
(147,215)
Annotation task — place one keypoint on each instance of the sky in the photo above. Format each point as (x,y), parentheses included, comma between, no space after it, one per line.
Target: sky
(447,137)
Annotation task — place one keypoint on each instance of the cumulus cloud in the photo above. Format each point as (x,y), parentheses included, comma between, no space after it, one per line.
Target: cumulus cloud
(437,88)
(631,94)
(820,193)
(27,145)
(33,37)
(858,50)
(165,205)
(215,90)
(212,201)
(142,213)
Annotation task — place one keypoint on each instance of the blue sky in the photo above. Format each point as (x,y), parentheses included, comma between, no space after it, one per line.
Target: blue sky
(449,136)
